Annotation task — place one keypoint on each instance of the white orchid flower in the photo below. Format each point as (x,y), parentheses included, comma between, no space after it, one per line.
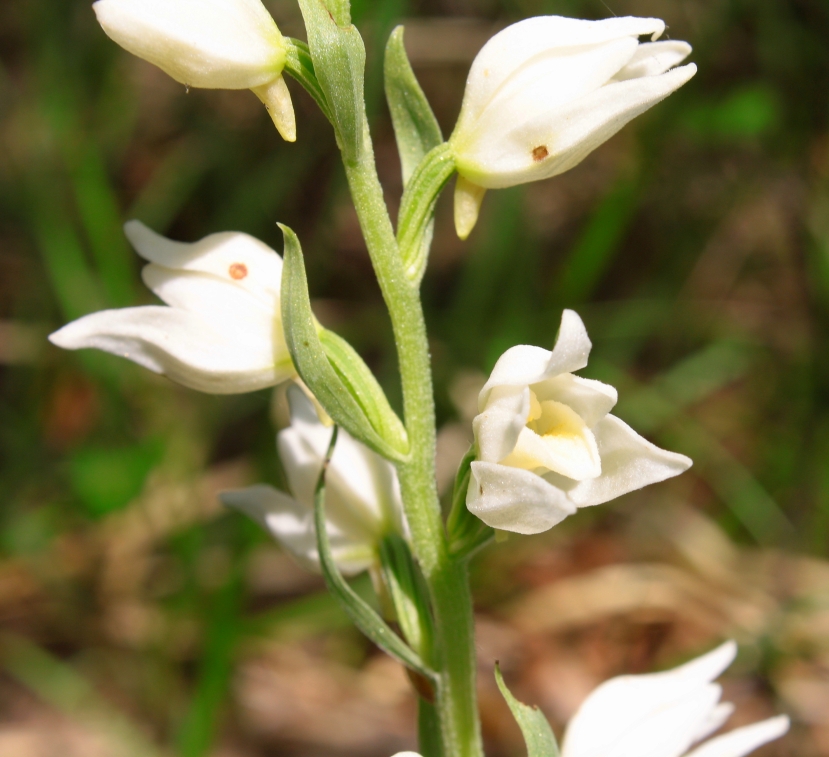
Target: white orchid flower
(222,332)
(212,44)
(545,92)
(665,715)
(547,444)
(362,493)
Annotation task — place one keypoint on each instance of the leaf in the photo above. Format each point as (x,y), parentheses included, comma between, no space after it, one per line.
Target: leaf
(417,208)
(312,364)
(300,66)
(415,127)
(339,59)
(538,736)
(363,616)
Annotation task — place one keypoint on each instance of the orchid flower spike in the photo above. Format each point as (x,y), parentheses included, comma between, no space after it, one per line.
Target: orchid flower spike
(362,493)
(545,92)
(222,332)
(547,444)
(665,715)
(212,44)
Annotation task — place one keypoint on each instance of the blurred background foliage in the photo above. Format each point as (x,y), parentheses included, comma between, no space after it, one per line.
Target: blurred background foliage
(136,617)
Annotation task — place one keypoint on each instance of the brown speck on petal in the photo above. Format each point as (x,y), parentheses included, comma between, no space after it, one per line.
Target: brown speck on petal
(540,152)
(238,271)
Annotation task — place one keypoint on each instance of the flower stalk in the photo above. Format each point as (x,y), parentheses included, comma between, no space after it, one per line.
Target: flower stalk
(447,579)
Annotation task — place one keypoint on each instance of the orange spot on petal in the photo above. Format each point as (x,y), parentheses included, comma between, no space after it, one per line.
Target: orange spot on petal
(540,152)
(238,271)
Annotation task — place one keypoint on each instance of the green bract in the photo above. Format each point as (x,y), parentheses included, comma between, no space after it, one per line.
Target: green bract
(343,385)
(339,63)
(538,736)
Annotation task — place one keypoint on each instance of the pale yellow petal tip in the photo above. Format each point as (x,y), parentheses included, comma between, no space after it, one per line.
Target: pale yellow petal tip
(468,199)
(277,100)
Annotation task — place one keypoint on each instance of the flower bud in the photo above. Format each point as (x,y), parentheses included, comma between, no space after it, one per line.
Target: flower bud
(545,92)
(547,443)
(362,493)
(212,44)
(222,332)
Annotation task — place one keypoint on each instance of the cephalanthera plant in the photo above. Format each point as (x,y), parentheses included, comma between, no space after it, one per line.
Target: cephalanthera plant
(237,317)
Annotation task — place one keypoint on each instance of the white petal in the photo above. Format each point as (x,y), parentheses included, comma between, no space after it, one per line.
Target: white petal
(541,87)
(497,428)
(654,58)
(567,134)
(519,366)
(406,754)
(292,525)
(668,732)
(526,365)
(743,741)
(178,344)
(716,719)
(518,44)
(226,309)
(592,400)
(627,702)
(228,44)
(572,346)
(515,500)
(629,462)
(235,258)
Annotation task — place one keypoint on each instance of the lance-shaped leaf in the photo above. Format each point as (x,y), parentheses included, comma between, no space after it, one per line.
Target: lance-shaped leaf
(538,736)
(362,615)
(415,127)
(339,63)
(337,396)
(300,65)
(417,208)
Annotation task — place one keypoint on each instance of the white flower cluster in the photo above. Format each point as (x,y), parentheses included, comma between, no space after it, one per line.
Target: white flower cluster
(541,95)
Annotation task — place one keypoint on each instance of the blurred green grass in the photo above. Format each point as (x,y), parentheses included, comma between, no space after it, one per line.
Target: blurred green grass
(695,245)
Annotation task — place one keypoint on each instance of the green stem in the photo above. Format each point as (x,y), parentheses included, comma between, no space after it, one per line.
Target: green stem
(447,579)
